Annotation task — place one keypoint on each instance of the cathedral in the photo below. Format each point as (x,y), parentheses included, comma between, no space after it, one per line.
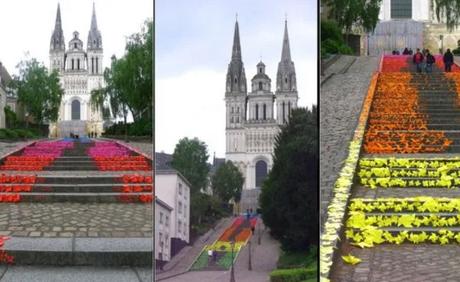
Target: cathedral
(253,119)
(80,71)
(412,24)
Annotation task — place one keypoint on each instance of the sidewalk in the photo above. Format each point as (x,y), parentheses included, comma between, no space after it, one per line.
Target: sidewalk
(184,259)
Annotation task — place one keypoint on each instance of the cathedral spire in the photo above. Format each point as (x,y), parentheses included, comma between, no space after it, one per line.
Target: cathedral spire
(57,38)
(236,77)
(236,51)
(94,35)
(286,53)
(93,19)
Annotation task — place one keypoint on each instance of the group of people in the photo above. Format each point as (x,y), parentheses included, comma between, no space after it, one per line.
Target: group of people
(405,52)
(425,57)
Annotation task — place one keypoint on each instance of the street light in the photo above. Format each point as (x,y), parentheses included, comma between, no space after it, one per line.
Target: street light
(250,262)
(441,37)
(232,272)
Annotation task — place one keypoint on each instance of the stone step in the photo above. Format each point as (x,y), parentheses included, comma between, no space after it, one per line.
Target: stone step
(71,168)
(81,188)
(97,179)
(77,251)
(55,197)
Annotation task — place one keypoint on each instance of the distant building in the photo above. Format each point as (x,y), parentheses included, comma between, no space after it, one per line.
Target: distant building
(80,72)
(173,189)
(5,78)
(253,119)
(412,24)
(216,163)
(162,231)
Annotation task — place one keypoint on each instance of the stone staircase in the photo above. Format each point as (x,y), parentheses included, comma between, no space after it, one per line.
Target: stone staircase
(77,215)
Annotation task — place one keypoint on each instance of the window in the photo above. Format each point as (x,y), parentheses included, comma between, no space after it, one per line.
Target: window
(261,172)
(265,112)
(166,220)
(261,86)
(257,111)
(232,110)
(92,64)
(231,120)
(78,64)
(401,9)
(161,217)
(179,226)
(236,81)
(180,207)
(166,240)
(289,107)
(237,119)
(185,229)
(285,80)
(260,70)
(75,45)
(180,188)
(284,114)
(72,64)
(237,109)
(185,210)
(97,65)
(75,110)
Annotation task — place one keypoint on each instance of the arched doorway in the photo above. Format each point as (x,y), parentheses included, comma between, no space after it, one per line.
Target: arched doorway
(75,110)
(261,172)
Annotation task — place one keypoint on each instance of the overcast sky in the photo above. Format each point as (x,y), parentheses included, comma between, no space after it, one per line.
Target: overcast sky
(27,25)
(193,49)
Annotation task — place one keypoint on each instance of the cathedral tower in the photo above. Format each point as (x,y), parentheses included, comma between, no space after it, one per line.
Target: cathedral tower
(235,98)
(57,44)
(286,85)
(94,47)
(260,100)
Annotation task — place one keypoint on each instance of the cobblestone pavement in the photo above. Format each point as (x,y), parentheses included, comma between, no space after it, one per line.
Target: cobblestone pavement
(264,259)
(76,220)
(341,100)
(403,263)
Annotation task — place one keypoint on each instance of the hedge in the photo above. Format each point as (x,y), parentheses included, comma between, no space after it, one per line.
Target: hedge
(292,275)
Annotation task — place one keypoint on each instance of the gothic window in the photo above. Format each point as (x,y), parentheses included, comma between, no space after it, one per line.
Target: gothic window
(237,119)
(231,120)
(260,70)
(232,110)
(237,109)
(260,86)
(289,108)
(78,64)
(261,173)
(236,81)
(265,112)
(97,65)
(75,45)
(401,9)
(92,64)
(75,110)
(72,64)
(284,114)
(257,111)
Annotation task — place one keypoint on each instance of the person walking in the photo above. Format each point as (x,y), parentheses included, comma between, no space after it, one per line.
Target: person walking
(418,60)
(430,60)
(406,51)
(448,60)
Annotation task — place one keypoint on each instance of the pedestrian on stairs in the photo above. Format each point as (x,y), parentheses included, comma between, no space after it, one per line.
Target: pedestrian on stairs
(448,59)
(418,60)
(430,60)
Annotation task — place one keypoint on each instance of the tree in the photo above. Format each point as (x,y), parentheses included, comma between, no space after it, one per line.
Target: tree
(351,13)
(227,182)
(448,10)
(38,90)
(190,159)
(129,79)
(288,199)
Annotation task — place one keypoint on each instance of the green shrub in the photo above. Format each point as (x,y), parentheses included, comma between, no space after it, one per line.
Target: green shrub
(11,134)
(332,39)
(24,133)
(292,275)
(456,51)
(3,133)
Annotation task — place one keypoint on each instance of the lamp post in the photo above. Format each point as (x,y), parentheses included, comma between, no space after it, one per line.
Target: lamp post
(441,37)
(250,261)
(232,272)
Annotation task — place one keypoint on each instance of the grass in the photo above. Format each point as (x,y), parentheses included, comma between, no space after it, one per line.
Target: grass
(298,259)
(201,261)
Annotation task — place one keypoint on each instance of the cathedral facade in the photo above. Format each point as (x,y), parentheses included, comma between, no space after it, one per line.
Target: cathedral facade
(80,71)
(412,24)
(254,116)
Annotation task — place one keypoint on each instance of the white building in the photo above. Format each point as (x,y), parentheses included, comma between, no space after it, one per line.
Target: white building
(173,189)
(253,119)
(5,78)
(162,231)
(412,24)
(80,72)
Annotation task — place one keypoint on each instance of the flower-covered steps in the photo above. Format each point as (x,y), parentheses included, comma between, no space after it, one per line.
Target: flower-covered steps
(404,198)
(82,216)
(239,233)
